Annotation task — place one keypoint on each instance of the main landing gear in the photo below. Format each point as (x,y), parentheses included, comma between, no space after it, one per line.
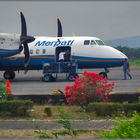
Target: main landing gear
(9,75)
(104,74)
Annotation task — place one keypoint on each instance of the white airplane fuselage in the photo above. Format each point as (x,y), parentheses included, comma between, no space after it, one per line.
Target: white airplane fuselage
(88,52)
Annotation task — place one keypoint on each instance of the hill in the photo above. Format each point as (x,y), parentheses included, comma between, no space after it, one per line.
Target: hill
(131,42)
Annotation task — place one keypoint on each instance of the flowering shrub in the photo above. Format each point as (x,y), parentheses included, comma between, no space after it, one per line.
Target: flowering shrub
(90,87)
(8,87)
(5,89)
(3,94)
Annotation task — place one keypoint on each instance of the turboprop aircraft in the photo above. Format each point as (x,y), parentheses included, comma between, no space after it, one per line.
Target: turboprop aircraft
(23,52)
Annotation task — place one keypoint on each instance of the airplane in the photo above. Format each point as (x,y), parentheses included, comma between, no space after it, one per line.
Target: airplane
(23,52)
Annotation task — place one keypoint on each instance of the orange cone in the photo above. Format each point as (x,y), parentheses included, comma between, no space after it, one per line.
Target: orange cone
(8,87)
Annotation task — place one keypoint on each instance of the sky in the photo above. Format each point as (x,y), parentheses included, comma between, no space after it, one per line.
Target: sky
(104,19)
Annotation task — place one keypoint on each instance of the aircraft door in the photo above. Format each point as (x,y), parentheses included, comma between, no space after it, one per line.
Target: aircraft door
(66,50)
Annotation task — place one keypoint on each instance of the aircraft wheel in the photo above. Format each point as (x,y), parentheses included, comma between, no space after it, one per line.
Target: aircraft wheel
(12,73)
(9,75)
(103,74)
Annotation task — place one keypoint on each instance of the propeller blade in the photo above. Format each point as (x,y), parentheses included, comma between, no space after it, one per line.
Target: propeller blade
(60,32)
(24,40)
(23,25)
(27,55)
(20,47)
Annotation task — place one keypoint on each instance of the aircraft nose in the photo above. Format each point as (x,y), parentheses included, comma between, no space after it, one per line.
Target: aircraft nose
(118,54)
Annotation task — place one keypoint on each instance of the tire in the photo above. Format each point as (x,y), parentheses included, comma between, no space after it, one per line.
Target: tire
(12,74)
(9,75)
(103,74)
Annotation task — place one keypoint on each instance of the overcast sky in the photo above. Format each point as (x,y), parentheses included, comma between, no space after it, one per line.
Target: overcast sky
(105,19)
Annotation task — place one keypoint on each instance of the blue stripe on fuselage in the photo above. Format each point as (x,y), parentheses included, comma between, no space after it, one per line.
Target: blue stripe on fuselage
(36,62)
(6,53)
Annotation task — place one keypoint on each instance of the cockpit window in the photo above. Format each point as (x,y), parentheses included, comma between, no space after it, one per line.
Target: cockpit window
(99,42)
(86,42)
(93,42)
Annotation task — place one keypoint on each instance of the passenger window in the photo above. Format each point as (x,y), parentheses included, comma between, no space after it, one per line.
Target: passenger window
(86,42)
(92,42)
(44,51)
(31,51)
(37,51)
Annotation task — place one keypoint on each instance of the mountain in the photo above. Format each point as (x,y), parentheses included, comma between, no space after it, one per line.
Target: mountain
(131,42)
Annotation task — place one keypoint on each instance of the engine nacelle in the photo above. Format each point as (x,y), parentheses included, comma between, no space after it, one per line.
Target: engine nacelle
(9,41)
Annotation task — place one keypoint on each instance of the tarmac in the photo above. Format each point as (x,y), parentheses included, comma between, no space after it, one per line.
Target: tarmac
(76,124)
(31,83)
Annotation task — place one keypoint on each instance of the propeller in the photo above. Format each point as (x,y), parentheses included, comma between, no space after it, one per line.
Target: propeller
(24,40)
(59,25)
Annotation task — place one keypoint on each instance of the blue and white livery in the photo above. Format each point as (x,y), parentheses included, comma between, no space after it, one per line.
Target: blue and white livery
(88,52)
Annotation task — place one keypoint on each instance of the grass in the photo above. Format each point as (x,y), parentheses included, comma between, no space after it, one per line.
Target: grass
(29,133)
(135,62)
(73,113)
(37,113)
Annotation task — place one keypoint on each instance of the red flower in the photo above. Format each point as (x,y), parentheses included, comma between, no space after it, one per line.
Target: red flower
(8,87)
(90,84)
(67,87)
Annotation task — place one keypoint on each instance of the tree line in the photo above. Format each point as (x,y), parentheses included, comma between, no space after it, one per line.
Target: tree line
(132,53)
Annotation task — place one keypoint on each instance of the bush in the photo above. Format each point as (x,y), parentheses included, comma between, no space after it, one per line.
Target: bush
(48,111)
(15,107)
(124,97)
(126,128)
(3,94)
(90,87)
(113,109)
